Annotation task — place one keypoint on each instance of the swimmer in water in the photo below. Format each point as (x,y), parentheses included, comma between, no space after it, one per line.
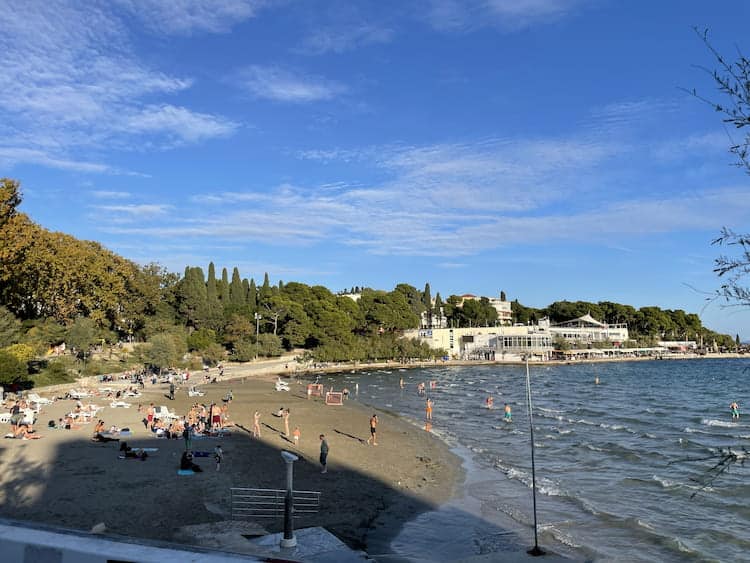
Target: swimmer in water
(596,380)
(508,416)
(735,408)
(489,402)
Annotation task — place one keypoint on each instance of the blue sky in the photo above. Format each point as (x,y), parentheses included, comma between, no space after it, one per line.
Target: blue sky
(540,147)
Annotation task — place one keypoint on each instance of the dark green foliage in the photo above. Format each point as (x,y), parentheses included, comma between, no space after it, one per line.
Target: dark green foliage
(243,352)
(12,370)
(10,328)
(201,339)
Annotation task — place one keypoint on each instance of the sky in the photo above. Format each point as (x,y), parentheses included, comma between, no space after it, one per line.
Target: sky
(545,148)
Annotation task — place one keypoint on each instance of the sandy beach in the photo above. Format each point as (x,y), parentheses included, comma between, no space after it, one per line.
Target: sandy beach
(67,480)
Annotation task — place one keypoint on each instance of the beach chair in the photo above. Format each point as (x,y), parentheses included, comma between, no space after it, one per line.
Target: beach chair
(78,394)
(120,404)
(39,400)
(282,385)
(164,412)
(194,392)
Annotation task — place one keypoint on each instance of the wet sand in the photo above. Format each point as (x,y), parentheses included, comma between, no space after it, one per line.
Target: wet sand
(67,480)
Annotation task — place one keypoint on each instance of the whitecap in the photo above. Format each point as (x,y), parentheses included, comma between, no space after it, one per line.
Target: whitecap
(714,422)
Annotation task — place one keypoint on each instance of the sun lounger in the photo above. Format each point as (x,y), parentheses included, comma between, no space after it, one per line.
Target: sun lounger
(282,385)
(39,400)
(164,412)
(121,404)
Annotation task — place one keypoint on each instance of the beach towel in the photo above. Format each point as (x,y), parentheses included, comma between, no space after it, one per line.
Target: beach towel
(185,472)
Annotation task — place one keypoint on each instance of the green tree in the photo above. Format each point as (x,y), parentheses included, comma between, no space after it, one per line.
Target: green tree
(236,291)
(10,199)
(201,339)
(10,328)
(162,352)
(427,302)
(82,335)
(12,370)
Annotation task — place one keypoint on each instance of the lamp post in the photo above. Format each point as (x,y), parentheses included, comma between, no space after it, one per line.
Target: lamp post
(289,540)
(258,317)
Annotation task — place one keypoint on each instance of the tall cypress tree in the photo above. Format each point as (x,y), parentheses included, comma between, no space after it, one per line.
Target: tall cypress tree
(224,293)
(211,293)
(236,291)
(427,300)
(252,296)
(265,291)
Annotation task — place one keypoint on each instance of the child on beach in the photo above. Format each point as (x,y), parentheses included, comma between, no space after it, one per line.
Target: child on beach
(256,425)
(296,434)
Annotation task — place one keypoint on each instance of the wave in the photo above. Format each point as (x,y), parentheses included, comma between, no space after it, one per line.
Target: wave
(722,423)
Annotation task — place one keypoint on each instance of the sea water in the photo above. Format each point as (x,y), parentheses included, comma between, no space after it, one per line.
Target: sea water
(615,471)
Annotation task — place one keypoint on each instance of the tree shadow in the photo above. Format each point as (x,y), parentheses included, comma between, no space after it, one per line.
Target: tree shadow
(69,481)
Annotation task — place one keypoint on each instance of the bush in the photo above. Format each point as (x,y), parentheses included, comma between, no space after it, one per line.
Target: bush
(214,354)
(55,373)
(23,352)
(243,352)
(201,339)
(12,370)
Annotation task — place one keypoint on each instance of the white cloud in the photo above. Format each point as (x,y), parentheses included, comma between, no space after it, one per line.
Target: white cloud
(510,15)
(77,85)
(344,38)
(179,123)
(110,194)
(182,17)
(279,84)
(15,155)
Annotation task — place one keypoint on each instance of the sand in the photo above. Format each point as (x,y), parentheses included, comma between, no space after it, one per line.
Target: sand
(67,480)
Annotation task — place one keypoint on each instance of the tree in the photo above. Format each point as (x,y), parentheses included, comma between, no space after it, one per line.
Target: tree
(12,370)
(82,335)
(162,352)
(10,328)
(732,80)
(427,301)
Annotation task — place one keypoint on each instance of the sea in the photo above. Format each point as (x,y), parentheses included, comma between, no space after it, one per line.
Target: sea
(625,469)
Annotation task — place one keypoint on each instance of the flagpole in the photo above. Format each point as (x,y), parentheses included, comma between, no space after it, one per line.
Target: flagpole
(536,550)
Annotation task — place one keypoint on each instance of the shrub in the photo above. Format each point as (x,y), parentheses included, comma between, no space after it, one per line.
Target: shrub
(12,370)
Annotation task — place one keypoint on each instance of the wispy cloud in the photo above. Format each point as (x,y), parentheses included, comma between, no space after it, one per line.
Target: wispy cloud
(78,85)
(183,17)
(110,194)
(344,38)
(119,214)
(179,124)
(509,15)
(15,155)
(283,85)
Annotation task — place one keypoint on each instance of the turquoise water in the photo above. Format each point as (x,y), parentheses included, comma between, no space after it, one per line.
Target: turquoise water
(612,479)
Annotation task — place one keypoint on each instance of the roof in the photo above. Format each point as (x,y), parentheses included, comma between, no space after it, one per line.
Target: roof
(586,319)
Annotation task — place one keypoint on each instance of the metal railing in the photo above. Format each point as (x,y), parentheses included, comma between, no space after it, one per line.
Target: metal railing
(269,503)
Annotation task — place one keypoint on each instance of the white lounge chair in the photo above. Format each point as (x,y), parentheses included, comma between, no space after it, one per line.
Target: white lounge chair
(195,392)
(282,385)
(78,394)
(122,404)
(39,400)
(164,412)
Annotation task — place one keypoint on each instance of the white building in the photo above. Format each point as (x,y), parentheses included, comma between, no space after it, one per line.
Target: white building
(587,330)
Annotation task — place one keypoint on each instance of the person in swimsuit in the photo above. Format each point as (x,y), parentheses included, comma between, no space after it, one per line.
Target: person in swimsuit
(256,425)
(150,416)
(489,402)
(373,430)
(323,453)
(508,416)
(428,409)
(296,435)
(286,422)
(735,408)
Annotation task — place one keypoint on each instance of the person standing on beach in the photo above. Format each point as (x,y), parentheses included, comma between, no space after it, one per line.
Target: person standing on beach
(171,391)
(256,425)
(508,416)
(373,430)
(428,408)
(323,453)
(218,456)
(296,435)
(186,434)
(285,414)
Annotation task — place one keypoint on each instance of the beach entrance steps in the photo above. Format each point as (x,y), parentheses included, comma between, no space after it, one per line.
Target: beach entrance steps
(269,503)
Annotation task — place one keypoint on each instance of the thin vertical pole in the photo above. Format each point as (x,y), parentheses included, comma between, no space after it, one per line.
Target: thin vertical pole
(536,550)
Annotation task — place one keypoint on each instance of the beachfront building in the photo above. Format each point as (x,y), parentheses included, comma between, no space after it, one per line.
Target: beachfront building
(587,330)
(501,342)
(503,308)
(436,320)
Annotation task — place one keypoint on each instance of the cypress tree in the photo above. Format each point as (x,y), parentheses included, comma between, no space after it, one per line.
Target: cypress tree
(211,293)
(427,300)
(236,291)
(252,296)
(224,293)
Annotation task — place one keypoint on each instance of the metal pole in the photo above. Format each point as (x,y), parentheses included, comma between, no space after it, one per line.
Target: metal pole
(289,540)
(536,550)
